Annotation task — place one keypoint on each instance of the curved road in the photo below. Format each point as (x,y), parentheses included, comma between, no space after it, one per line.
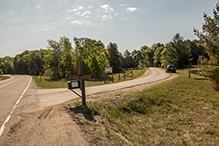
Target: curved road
(15,96)
(54,96)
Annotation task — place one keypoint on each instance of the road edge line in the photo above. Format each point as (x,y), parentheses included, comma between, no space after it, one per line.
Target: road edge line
(8,118)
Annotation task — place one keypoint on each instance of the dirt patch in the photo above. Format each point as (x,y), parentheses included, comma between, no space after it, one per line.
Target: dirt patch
(50,126)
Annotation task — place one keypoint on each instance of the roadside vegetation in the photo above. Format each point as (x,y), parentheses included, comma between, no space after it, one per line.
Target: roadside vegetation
(182,111)
(2,77)
(47,82)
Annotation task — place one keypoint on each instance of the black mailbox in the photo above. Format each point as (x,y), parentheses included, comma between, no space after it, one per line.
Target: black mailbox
(73,84)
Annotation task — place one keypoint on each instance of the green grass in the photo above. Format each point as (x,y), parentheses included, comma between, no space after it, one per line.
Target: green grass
(3,78)
(46,82)
(182,111)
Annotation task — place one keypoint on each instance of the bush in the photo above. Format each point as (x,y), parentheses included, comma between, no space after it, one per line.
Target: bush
(213,74)
(1,72)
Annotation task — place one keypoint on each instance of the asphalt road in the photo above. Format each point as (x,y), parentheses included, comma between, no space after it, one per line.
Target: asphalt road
(11,92)
(55,96)
(16,96)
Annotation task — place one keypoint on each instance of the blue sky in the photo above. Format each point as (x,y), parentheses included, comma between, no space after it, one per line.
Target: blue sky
(28,24)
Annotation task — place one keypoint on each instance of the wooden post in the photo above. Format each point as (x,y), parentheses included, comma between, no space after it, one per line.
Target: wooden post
(83,92)
(189,73)
(119,76)
(132,73)
(124,75)
(80,72)
(112,78)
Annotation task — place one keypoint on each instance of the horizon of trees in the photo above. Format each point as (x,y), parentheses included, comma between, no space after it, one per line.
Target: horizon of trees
(59,60)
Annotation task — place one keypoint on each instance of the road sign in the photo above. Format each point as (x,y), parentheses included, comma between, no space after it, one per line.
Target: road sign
(40,73)
(86,77)
(108,70)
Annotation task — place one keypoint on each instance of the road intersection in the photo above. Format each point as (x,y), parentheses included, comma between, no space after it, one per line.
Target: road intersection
(17,87)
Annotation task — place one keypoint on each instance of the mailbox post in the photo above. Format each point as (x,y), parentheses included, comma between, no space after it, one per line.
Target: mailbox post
(80,72)
(82,77)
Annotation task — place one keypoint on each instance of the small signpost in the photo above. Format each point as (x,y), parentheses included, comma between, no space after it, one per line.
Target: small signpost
(40,73)
(79,84)
(108,70)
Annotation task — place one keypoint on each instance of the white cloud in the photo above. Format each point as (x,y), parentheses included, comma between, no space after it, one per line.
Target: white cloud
(104,17)
(131,9)
(73,10)
(82,22)
(90,7)
(80,7)
(107,8)
(76,22)
(37,7)
(123,4)
(86,12)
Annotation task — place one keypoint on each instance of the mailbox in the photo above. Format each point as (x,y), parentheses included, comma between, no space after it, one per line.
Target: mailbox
(73,84)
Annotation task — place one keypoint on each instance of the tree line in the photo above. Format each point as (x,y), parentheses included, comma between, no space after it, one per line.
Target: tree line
(59,60)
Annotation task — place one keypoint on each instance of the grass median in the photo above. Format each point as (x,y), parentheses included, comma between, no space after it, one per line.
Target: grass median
(3,78)
(182,111)
(46,82)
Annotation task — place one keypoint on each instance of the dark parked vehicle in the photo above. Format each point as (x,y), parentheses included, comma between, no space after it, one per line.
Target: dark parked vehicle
(171,68)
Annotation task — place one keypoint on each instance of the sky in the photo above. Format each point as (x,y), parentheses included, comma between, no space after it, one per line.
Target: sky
(131,24)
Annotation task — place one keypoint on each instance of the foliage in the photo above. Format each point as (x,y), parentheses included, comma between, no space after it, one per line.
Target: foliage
(29,62)
(210,38)
(177,53)
(53,59)
(197,49)
(138,59)
(127,62)
(157,56)
(59,60)
(68,61)
(1,72)
(6,64)
(148,55)
(114,57)
(93,53)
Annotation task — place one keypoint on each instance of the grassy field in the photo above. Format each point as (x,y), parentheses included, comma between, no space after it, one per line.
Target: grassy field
(46,82)
(3,78)
(182,111)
